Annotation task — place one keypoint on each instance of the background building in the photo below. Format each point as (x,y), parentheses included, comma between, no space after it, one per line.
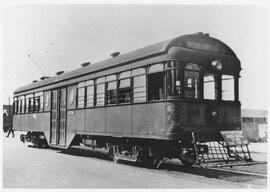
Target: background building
(254,124)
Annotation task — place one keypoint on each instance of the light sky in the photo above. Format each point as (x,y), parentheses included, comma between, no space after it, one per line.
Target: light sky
(61,37)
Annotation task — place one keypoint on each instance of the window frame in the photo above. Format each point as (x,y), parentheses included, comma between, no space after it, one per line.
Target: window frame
(81,86)
(111,79)
(15,105)
(88,84)
(136,74)
(216,81)
(199,83)
(122,76)
(235,87)
(98,82)
(175,65)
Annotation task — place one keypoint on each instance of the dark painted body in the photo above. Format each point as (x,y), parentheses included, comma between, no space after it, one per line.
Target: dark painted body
(165,120)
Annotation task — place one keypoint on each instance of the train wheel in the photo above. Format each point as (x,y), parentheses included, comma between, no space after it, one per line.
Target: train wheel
(114,154)
(186,159)
(151,162)
(22,138)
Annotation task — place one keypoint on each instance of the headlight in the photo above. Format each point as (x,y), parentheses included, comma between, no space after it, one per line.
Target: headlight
(217,65)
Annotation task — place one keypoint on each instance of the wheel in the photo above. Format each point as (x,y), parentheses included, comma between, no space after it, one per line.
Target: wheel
(113,154)
(151,162)
(187,159)
(22,138)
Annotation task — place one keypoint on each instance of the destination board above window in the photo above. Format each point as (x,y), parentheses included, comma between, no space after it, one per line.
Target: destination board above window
(204,46)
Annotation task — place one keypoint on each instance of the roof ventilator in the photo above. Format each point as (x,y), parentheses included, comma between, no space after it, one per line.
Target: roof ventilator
(85,64)
(115,54)
(59,72)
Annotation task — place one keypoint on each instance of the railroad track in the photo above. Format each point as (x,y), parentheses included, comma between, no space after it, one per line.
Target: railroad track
(173,165)
(217,169)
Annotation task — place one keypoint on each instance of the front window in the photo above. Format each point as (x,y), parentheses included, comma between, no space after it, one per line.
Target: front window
(227,88)
(210,87)
(191,87)
(173,79)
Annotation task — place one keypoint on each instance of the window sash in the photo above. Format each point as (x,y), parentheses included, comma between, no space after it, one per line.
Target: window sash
(81,96)
(191,84)
(210,90)
(228,92)
(90,96)
(139,89)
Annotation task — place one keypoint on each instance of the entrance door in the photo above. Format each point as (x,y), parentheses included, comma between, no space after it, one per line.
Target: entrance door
(62,117)
(58,117)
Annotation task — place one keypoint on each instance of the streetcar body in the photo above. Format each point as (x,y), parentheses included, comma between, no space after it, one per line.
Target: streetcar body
(141,102)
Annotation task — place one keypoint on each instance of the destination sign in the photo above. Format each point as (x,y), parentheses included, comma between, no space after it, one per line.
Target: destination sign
(203,46)
(234,138)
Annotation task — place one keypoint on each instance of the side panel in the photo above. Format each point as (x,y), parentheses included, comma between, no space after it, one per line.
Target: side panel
(44,121)
(44,124)
(17,122)
(80,120)
(71,125)
(149,119)
(187,117)
(95,120)
(34,118)
(24,122)
(118,119)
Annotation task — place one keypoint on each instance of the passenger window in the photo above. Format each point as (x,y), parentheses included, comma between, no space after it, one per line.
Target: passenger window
(111,90)
(228,88)
(31,104)
(139,85)
(23,103)
(15,105)
(47,101)
(27,104)
(156,82)
(90,93)
(19,104)
(136,72)
(41,103)
(36,103)
(210,87)
(191,86)
(81,95)
(124,88)
(173,79)
(100,91)
(139,89)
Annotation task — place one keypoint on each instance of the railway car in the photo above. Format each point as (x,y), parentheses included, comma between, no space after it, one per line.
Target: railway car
(178,98)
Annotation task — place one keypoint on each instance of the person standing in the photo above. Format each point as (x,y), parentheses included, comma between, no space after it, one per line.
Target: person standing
(10,131)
